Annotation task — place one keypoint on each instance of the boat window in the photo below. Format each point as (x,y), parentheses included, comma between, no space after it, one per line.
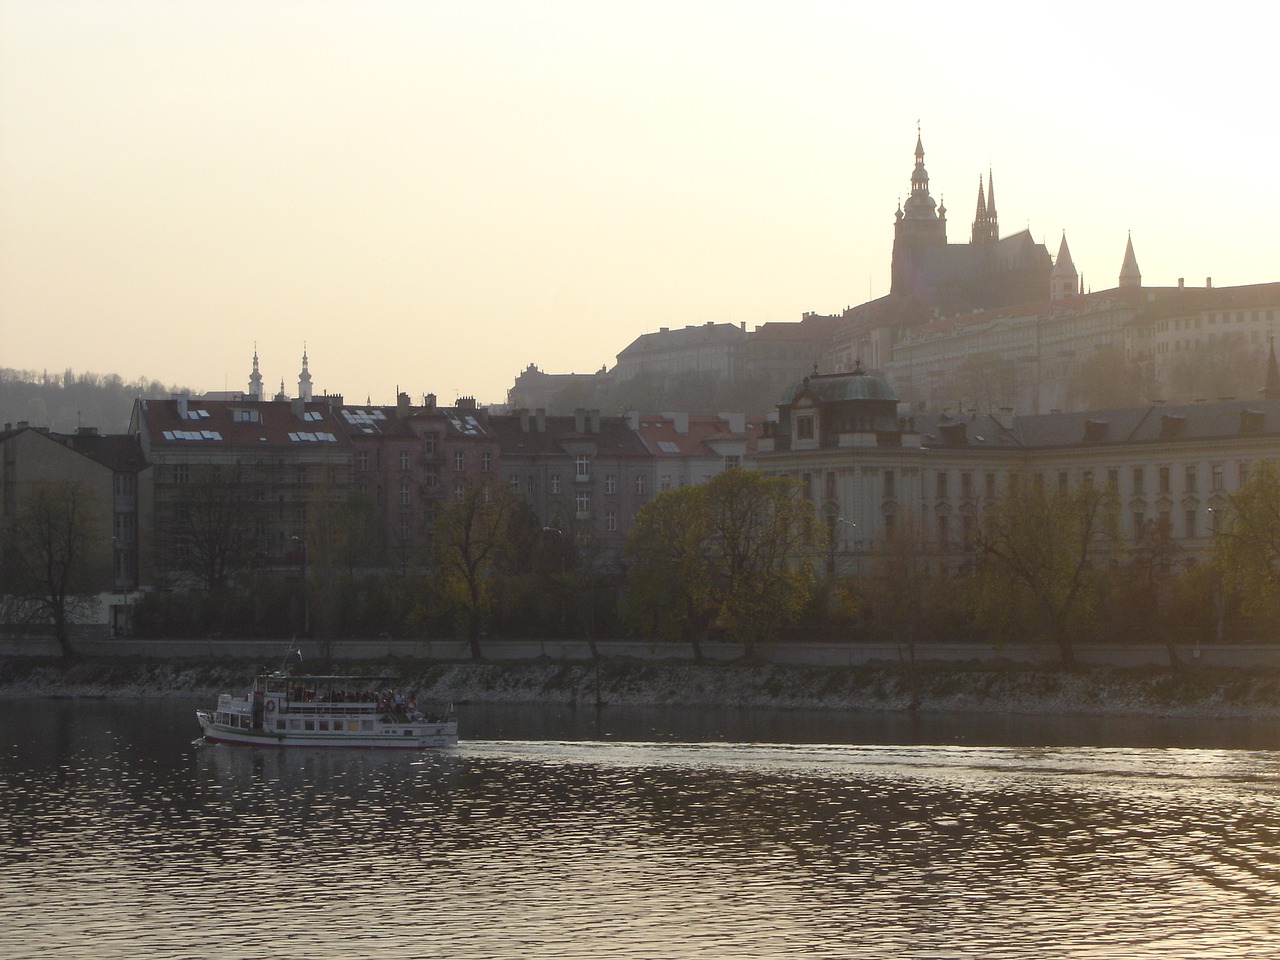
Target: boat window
(279,724)
(310,725)
(366,724)
(275,686)
(295,724)
(324,724)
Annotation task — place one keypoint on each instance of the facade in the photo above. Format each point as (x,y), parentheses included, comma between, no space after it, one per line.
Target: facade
(112,476)
(584,475)
(408,460)
(235,481)
(870,470)
(687,449)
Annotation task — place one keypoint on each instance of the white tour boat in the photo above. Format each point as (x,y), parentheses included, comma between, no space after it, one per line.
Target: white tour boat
(323,711)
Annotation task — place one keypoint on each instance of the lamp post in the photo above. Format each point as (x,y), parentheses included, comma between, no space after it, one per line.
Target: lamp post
(848,523)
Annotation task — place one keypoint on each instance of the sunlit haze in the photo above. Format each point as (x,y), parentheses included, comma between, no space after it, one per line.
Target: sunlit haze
(432,195)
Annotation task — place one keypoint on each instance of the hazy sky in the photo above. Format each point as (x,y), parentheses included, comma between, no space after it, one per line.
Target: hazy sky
(433,195)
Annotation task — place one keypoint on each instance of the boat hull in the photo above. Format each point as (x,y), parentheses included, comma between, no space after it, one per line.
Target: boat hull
(410,735)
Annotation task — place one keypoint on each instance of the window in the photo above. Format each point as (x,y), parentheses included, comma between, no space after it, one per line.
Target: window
(459,460)
(459,492)
(429,443)
(1138,482)
(406,530)
(1244,472)
(966,486)
(1113,481)
(431,481)
(991,486)
(582,503)
(732,460)
(943,531)
(529,485)
(1215,520)
(804,427)
(301,476)
(1216,482)
(486,461)
(1087,478)
(665,482)
(1191,480)
(404,494)
(611,520)
(362,461)
(1138,520)
(889,490)
(515,483)
(611,484)
(181,473)
(1190,523)
(830,490)
(1164,479)
(889,525)
(942,485)
(582,467)
(641,486)
(555,483)
(404,459)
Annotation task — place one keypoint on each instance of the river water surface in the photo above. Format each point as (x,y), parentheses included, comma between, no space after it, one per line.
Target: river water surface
(640,834)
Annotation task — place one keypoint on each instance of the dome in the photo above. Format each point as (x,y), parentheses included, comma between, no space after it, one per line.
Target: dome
(837,387)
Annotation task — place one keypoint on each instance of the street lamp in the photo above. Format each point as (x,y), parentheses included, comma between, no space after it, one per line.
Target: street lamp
(847,523)
(306,600)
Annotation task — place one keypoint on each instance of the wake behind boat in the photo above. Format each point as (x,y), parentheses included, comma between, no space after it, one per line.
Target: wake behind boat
(325,711)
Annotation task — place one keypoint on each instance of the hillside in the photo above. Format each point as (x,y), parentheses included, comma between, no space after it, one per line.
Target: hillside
(63,402)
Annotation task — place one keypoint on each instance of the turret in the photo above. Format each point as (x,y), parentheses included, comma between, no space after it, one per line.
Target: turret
(1130,275)
(1063,281)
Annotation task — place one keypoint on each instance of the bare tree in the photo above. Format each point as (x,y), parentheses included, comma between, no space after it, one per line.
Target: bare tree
(47,557)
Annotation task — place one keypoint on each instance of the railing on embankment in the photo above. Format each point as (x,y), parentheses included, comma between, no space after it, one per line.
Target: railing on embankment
(851,653)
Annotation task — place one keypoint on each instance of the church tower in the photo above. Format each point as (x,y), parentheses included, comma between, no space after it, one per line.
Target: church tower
(1130,275)
(255,378)
(986,226)
(304,379)
(919,225)
(1063,281)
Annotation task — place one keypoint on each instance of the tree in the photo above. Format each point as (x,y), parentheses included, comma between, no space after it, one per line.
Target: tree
(1247,546)
(1104,380)
(471,536)
(213,532)
(740,548)
(665,592)
(47,557)
(1037,556)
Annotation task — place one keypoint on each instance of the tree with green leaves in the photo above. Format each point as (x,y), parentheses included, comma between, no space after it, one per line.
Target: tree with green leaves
(48,558)
(740,549)
(472,535)
(1246,548)
(1037,560)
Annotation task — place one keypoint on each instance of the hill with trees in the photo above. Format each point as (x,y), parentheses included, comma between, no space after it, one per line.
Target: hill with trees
(63,402)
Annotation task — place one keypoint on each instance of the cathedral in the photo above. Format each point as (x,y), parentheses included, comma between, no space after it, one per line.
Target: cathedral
(988,271)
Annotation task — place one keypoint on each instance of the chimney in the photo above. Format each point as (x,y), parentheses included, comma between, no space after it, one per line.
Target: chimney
(633,419)
(182,407)
(402,405)
(299,407)
(1208,282)
(593,420)
(737,422)
(524,419)
(1181,282)
(579,420)
(540,418)
(429,401)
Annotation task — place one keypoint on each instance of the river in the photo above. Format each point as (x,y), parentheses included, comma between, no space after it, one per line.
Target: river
(640,834)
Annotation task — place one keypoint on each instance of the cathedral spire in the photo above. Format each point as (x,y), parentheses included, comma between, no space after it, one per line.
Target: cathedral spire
(1271,390)
(991,195)
(1130,275)
(1063,281)
(920,205)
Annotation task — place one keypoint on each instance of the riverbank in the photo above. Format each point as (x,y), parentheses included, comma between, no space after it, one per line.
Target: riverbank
(933,687)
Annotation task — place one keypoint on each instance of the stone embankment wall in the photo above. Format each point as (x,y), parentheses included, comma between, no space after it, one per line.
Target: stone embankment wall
(1244,656)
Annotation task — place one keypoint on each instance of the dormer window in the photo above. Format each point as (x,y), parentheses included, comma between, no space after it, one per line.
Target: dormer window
(804,427)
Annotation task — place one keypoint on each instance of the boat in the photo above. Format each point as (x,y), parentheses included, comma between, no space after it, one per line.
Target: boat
(289,710)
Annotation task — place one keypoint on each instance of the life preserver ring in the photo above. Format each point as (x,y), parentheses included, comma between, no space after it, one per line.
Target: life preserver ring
(271,706)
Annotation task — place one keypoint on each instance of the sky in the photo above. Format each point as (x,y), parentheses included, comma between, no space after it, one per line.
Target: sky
(430,196)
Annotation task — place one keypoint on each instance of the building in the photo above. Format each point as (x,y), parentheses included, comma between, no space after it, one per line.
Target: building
(234,482)
(869,467)
(584,475)
(687,449)
(111,477)
(407,461)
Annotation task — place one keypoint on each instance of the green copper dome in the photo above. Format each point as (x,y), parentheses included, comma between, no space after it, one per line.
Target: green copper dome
(836,387)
